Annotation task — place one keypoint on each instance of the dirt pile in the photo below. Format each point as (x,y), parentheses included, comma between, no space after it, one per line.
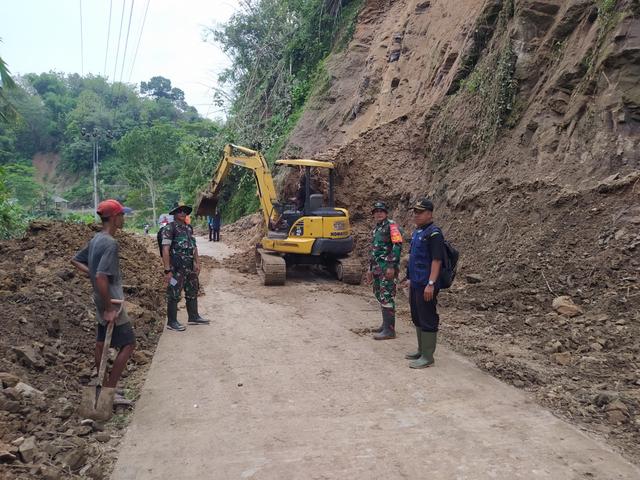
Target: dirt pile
(47,338)
(520,120)
(243,235)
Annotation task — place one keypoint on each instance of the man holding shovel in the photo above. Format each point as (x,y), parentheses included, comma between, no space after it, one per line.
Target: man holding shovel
(99,260)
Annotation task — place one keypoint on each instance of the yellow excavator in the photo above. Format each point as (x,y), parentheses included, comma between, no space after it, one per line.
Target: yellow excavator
(311,234)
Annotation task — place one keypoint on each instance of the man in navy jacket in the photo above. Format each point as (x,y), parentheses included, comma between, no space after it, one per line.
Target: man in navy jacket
(425,262)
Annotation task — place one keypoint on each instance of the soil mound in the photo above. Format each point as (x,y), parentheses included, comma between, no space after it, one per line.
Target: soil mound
(47,338)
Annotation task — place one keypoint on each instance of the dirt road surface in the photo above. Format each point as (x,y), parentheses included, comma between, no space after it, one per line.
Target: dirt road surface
(280,387)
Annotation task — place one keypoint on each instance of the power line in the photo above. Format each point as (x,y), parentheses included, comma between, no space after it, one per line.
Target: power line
(106,51)
(115,67)
(126,42)
(135,55)
(81,42)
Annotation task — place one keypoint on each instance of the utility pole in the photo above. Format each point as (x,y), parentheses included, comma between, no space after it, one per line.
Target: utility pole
(95,136)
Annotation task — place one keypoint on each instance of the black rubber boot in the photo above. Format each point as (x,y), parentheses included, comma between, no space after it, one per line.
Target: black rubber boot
(429,340)
(192,311)
(172,317)
(418,354)
(388,326)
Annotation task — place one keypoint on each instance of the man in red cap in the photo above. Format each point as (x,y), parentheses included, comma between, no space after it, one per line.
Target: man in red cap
(99,261)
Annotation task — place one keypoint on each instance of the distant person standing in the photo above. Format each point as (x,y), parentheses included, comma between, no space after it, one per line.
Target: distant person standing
(99,260)
(423,270)
(384,262)
(181,268)
(210,225)
(217,223)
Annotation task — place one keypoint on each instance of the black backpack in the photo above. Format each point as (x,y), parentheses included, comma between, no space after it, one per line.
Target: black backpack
(449,263)
(159,238)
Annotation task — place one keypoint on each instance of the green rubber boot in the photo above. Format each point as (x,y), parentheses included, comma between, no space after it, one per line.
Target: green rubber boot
(428,348)
(418,354)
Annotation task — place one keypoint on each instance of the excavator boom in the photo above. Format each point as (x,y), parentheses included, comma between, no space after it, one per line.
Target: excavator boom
(244,157)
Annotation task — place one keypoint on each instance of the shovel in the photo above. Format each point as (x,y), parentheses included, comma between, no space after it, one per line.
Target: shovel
(97,401)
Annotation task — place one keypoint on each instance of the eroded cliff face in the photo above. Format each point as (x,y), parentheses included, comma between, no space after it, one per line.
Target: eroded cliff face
(468,92)
(521,120)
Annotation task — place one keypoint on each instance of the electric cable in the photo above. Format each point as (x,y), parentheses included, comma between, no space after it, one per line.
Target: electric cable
(115,66)
(81,42)
(135,55)
(106,51)
(126,42)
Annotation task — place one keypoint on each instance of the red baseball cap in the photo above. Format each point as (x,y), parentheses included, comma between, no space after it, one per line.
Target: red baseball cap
(110,208)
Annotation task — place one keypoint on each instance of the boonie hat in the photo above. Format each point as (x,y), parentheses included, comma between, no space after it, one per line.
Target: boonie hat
(181,206)
(423,204)
(111,208)
(379,206)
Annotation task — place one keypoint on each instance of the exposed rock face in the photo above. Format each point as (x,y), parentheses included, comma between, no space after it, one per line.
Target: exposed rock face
(521,120)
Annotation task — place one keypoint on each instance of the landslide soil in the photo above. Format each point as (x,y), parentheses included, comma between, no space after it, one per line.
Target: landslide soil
(47,338)
(519,119)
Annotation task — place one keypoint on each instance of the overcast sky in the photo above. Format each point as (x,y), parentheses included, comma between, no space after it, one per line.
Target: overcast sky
(43,35)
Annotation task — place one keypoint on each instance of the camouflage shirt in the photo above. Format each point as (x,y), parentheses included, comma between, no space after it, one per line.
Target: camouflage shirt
(386,246)
(182,242)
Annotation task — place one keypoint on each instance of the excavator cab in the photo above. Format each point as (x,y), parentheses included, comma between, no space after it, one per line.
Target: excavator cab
(310,234)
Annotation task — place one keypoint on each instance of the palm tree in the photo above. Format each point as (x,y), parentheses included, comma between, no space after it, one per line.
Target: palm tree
(7,110)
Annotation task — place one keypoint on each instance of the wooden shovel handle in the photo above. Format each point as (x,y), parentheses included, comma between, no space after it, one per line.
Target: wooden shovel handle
(107,343)
(105,352)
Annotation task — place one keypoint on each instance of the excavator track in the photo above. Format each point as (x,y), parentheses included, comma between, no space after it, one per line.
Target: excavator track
(271,267)
(349,270)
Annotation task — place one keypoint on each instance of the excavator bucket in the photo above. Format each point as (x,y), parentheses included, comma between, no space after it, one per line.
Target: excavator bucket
(206,205)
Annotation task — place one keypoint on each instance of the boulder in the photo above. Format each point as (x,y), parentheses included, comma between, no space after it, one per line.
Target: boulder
(8,379)
(604,397)
(28,450)
(102,437)
(565,306)
(473,278)
(561,358)
(6,456)
(28,357)
(27,390)
(141,357)
(75,459)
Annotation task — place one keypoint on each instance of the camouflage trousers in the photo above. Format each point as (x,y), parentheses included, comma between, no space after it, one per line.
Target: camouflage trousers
(385,292)
(186,279)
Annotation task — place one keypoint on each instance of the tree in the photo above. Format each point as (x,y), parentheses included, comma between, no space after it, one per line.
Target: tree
(150,156)
(7,111)
(21,184)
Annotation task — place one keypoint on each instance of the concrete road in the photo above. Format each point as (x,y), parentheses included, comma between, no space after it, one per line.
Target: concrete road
(280,387)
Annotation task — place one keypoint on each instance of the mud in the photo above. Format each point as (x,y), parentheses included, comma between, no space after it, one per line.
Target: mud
(47,338)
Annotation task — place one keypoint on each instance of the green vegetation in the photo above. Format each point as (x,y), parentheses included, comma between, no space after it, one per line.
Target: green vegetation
(153,148)
(277,48)
(138,136)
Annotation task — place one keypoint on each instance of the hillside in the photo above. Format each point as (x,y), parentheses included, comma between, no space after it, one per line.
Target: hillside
(521,120)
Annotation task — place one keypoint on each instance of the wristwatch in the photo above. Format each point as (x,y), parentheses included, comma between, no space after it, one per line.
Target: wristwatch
(431,282)
(168,271)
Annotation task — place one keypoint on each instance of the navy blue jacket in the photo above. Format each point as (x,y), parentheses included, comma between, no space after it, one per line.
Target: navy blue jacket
(419,266)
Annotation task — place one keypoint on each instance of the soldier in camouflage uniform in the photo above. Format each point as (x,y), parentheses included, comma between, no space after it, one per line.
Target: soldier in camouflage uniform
(181,268)
(386,247)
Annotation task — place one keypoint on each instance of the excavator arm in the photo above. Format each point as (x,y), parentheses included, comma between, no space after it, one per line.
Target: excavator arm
(247,158)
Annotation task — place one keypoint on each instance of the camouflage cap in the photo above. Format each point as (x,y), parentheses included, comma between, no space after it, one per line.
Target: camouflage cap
(379,205)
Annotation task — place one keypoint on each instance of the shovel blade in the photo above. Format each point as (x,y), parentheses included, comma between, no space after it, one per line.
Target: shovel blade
(97,403)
